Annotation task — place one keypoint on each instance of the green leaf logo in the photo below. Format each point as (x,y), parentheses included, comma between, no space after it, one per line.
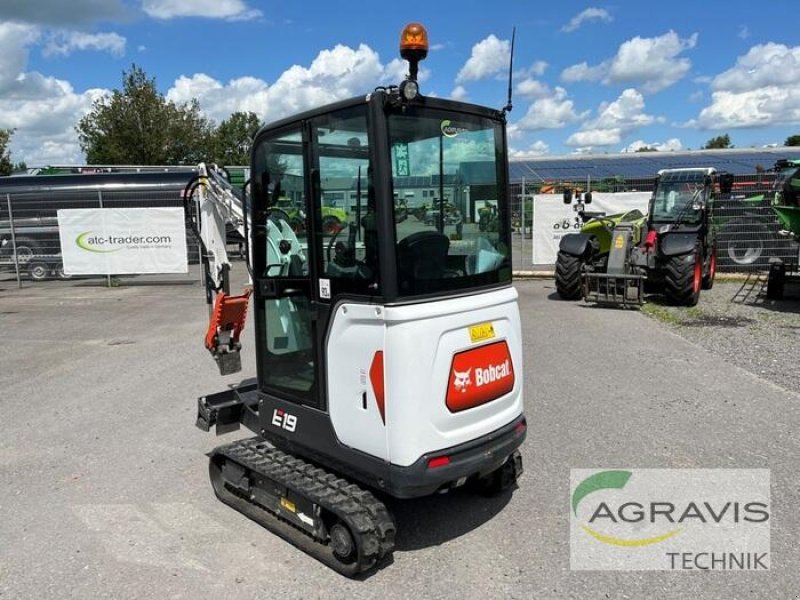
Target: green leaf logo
(614,480)
(83,244)
(599,481)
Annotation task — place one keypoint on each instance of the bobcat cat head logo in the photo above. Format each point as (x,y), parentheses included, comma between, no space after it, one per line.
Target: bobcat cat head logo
(462,379)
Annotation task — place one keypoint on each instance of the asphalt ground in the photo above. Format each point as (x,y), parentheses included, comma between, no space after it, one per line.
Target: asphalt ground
(104,491)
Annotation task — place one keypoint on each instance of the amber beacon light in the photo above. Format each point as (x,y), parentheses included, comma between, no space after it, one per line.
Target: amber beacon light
(413,46)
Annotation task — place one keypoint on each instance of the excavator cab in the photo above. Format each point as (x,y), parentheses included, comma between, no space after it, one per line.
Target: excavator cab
(388,348)
(368,150)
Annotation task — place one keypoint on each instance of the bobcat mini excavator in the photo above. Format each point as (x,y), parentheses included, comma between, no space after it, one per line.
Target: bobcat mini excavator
(388,351)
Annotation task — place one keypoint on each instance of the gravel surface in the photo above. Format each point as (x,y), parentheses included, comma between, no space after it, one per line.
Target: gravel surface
(737,322)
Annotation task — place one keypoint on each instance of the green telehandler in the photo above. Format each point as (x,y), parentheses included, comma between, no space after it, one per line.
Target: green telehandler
(671,250)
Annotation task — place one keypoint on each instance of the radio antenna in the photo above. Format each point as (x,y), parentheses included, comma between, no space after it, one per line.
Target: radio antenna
(507,108)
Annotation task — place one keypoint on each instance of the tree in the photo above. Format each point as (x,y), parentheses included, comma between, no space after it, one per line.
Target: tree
(232,140)
(138,125)
(721,141)
(647,149)
(5,158)
(792,140)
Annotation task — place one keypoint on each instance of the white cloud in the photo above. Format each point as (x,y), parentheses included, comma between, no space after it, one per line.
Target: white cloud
(14,42)
(759,90)
(671,145)
(44,118)
(537,69)
(43,110)
(333,75)
(552,112)
(528,86)
(397,70)
(538,148)
(615,120)
(744,32)
(763,65)
(652,63)
(230,10)
(583,72)
(590,14)
(489,57)
(66,42)
(459,93)
(769,106)
(532,88)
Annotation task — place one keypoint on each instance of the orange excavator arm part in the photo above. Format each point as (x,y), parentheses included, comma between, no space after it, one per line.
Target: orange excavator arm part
(227,322)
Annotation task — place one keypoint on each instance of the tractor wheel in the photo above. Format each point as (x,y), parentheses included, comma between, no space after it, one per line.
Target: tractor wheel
(743,245)
(711,272)
(568,276)
(683,278)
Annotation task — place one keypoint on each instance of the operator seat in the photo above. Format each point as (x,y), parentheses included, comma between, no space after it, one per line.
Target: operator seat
(421,256)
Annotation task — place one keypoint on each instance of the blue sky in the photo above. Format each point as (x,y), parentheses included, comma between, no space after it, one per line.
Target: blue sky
(589,76)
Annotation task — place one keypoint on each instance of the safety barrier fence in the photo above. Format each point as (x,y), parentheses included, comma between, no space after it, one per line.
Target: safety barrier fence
(30,244)
(30,252)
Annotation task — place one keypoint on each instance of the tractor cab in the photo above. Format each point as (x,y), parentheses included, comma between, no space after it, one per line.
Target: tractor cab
(681,200)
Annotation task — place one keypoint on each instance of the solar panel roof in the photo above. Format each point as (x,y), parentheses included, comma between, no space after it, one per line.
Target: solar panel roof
(636,165)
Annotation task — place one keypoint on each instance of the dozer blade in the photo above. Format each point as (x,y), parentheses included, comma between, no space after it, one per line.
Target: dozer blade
(333,520)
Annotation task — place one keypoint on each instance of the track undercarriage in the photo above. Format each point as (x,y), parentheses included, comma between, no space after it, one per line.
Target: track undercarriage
(333,520)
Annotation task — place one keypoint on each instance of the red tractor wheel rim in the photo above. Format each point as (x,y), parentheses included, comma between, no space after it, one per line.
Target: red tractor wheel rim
(712,270)
(698,273)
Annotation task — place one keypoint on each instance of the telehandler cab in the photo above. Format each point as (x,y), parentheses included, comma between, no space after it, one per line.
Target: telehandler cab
(388,352)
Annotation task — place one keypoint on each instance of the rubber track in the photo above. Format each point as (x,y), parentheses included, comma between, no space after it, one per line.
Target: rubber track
(367,518)
(568,276)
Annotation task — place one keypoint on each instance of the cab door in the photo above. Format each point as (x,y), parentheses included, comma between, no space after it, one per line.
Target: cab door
(287,361)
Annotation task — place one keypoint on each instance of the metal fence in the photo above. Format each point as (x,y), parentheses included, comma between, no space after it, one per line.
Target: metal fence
(747,228)
(30,247)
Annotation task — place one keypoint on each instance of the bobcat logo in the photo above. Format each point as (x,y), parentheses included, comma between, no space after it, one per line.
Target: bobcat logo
(462,379)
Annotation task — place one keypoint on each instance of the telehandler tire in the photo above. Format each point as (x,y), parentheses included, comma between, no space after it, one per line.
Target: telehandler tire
(568,276)
(708,277)
(683,278)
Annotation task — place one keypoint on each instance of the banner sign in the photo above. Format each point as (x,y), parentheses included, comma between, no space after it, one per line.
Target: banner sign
(552,219)
(122,241)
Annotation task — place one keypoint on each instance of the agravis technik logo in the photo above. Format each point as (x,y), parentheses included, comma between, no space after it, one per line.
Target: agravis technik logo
(671,519)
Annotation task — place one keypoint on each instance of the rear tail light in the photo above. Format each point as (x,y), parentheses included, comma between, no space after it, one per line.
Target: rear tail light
(438,461)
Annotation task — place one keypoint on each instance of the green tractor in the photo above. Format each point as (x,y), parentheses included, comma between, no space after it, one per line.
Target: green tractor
(671,250)
(785,201)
